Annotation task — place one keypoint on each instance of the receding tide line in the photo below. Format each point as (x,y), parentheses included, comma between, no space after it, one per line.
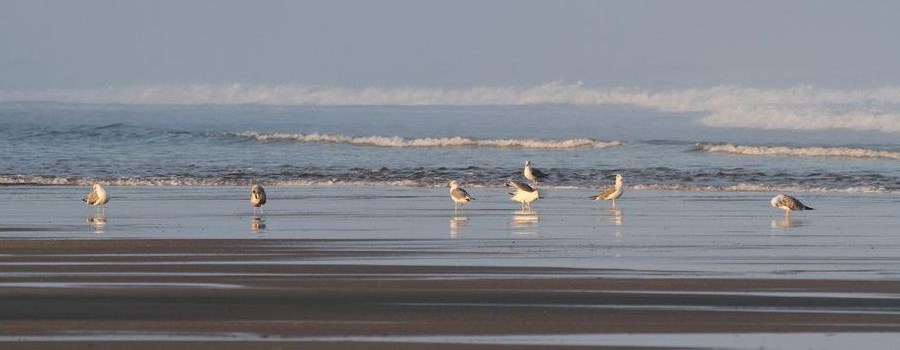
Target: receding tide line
(436,142)
(838,152)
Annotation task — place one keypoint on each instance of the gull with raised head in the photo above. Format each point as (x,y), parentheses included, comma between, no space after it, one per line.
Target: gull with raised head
(788,204)
(524,194)
(611,193)
(458,195)
(533,174)
(98,197)
(257,196)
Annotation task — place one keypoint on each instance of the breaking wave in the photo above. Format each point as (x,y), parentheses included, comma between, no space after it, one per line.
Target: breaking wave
(400,142)
(840,152)
(797,108)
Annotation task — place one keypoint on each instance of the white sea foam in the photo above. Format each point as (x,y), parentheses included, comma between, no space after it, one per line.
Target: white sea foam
(395,141)
(842,152)
(191,181)
(797,108)
(743,187)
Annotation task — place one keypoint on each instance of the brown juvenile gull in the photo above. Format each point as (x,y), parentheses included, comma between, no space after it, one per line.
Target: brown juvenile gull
(788,204)
(98,197)
(611,192)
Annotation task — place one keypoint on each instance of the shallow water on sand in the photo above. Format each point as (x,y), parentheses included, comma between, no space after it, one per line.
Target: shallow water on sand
(810,340)
(647,234)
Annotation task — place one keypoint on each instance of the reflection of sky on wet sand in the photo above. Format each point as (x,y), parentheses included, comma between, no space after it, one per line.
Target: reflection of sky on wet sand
(681,233)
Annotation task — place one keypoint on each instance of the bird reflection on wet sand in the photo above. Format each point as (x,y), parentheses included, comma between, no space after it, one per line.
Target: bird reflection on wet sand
(524,223)
(457,223)
(786,223)
(98,222)
(614,217)
(257,223)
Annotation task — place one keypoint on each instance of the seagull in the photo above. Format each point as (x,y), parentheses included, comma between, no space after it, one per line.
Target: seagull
(532,174)
(459,195)
(788,204)
(97,197)
(611,192)
(257,196)
(524,194)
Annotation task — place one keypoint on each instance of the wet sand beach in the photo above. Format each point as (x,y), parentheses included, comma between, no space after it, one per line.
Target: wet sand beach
(411,273)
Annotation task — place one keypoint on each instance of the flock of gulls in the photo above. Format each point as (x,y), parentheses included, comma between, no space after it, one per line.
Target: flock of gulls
(525,193)
(528,193)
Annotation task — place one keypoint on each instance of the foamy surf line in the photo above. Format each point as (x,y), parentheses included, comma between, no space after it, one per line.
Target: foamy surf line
(428,142)
(744,187)
(837,152)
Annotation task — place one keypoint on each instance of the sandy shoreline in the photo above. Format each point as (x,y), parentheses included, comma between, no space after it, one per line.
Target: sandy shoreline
(339,268)
(180,288)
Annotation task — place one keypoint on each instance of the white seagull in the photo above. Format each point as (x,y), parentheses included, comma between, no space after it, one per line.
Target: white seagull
(611,192)
(524,194)
(788,204)
(257,196)
(97,197)
(532,174)
(459,195)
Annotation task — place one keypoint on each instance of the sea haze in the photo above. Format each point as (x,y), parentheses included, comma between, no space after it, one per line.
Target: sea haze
(731,139)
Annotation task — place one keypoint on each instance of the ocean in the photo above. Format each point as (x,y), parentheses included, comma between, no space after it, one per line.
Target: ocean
(359,241)
(706,140)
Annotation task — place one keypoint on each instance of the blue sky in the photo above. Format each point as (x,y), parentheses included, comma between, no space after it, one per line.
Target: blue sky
(449,44)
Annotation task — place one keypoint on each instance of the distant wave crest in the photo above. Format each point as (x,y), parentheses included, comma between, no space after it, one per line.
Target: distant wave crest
(400,142)
(796,108)
(842,152)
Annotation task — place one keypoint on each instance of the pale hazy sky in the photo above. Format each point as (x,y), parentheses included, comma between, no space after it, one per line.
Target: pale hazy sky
(453,44)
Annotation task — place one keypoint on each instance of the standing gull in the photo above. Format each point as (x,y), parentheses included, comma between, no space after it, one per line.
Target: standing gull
(524,194)
(458,195)
(97,197)
(788,204)
(611,192)
(532,174)
(257,196)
